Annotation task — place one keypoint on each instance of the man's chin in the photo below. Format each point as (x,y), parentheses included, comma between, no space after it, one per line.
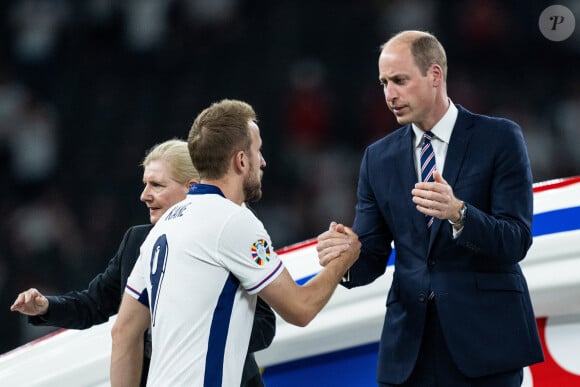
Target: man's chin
(402,120)
(254,197)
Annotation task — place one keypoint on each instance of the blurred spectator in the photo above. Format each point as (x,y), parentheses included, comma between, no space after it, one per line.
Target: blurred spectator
(36,26)
(40,230)
(419,15)
(308,113)
(12,98)
(567,118)
(210,12)
(36,29)
(146,23)
(33,141)
(376,119)
(483,23)
(542,149)
(573,42)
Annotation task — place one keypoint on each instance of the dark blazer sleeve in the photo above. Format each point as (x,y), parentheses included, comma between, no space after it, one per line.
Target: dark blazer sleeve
(371,228)
(94,305)
(264,327)
(500,228)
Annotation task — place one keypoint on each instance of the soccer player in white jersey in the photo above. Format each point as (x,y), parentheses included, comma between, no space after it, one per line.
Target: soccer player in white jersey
(204,263)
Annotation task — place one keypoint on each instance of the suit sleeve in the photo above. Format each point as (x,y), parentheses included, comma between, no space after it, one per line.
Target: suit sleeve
(372,230)
(94,305)
(264,327)
(504,231)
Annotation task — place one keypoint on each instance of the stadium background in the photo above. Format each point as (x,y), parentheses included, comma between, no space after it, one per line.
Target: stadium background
(87,87)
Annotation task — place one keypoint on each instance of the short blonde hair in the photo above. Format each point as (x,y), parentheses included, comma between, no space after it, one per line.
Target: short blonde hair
(175,152)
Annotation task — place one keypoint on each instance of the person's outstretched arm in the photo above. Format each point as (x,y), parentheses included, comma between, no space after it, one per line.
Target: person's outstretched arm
(75,309)
(94,305)
(298,305)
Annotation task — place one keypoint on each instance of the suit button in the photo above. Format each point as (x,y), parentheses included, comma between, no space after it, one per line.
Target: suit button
(422,297)
(431,262)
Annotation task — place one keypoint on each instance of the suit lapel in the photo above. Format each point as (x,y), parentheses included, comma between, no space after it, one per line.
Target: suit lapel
(455,156)
(457,146)
(405,157)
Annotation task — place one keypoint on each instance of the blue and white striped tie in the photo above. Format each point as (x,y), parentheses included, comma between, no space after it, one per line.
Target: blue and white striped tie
(427,165)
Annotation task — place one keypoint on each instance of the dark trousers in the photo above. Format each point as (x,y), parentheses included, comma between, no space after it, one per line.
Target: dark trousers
(435,366)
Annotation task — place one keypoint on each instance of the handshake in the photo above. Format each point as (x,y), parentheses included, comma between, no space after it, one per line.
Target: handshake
(338,241)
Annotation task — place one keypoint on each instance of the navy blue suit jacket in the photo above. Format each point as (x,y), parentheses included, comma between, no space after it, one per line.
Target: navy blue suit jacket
(94,305)
(481,294)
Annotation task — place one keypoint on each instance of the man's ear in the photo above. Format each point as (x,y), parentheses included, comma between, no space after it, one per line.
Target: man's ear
(240,161)
(437,74)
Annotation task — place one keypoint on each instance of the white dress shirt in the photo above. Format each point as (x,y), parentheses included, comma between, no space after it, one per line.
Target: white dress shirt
(440,141)
(441,134)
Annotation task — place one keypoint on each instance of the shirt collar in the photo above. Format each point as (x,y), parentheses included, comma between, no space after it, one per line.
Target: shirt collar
(201,189)
(442,129)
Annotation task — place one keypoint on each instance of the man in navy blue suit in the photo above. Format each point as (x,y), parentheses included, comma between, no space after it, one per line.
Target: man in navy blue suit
(458,311)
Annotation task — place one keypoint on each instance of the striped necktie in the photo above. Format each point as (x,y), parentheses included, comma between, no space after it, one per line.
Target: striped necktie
(427,165)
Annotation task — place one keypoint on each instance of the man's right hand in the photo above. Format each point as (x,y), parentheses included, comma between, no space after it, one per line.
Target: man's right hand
(31,303)
(333,242)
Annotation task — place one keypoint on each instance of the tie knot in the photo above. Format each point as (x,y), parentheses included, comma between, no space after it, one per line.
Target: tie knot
(427,136)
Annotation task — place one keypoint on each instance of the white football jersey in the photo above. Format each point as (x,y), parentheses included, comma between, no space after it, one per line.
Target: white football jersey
(198,272)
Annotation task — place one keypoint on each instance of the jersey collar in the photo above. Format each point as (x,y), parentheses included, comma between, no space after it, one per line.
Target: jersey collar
(202,189)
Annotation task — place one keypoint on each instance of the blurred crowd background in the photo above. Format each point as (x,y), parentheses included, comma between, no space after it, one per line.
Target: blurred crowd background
(86,87)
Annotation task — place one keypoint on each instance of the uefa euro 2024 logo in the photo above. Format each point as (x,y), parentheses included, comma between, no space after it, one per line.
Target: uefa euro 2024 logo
(261,252)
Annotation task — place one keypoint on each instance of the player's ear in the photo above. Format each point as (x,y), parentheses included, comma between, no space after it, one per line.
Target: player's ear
(240,161)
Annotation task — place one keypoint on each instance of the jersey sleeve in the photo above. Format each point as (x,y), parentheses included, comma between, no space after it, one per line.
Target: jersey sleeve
(246,250)
(136,284)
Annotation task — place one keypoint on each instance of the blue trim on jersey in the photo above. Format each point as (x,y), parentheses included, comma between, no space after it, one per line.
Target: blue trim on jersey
(157,265)
(214,362)
(267,277)
(144,298)
(202,189)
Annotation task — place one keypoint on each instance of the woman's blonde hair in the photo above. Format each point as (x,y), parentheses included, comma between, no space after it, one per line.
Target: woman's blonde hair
(176,153)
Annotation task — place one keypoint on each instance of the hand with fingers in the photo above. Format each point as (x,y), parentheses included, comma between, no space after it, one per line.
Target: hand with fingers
(437,199)
(31,303)
(335,241)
